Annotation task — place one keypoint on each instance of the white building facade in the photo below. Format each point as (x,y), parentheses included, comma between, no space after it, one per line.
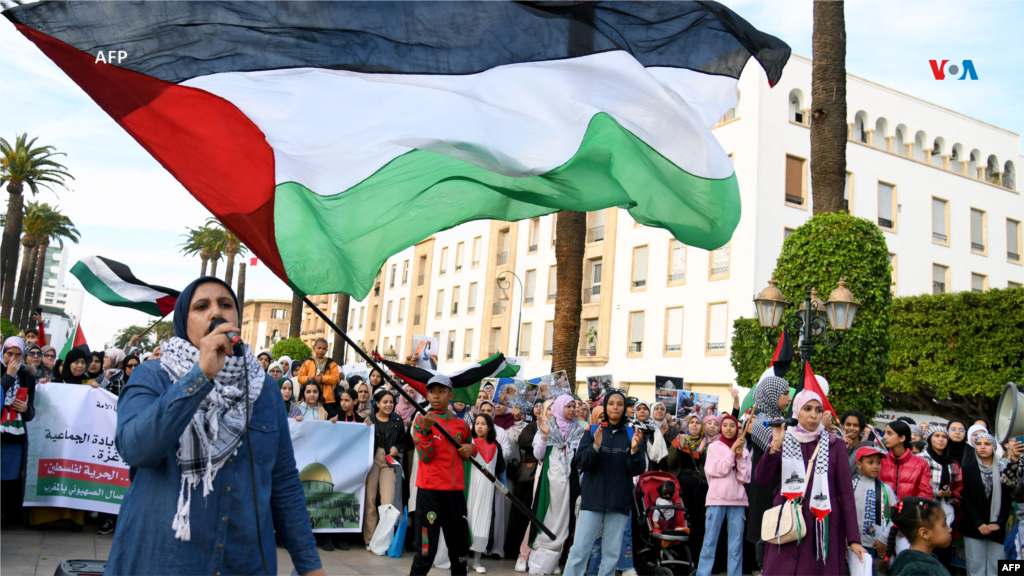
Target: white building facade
(941,186)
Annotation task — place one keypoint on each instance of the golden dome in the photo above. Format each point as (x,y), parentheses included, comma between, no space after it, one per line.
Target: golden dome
(316,472)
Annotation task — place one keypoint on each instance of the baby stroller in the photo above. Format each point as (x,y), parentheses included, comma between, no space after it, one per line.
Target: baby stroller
(659,551)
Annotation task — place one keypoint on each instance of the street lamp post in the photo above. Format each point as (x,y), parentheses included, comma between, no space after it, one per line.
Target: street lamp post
(504,284)
(812,318)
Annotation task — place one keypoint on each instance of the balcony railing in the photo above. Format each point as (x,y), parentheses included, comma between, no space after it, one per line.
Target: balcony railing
(677,277)
(673,347)
(716,345)
(551,296)
(451,350)
(938,287)
(455,308)
(639,283)
(978,247)
(467,355)
(416,320)
(1013,256)
(588,351)
(719,270)
(471,309)
(496,309)
(548,352)
(884,222)
(595,234)
(592,294)
(373,326)
(533,248)
(444,271)
(458,267)
(421,279)
(476,263)
(798,200)
(502,259)
(940,237)
(529,300)
(437,314)
(636,346)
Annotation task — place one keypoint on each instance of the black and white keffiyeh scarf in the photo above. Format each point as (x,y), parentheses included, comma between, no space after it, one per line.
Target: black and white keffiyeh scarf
(216,429)
(794,483)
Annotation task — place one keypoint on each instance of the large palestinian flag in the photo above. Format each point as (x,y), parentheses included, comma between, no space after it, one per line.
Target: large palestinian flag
(465,382)
(329,136)
(114,284)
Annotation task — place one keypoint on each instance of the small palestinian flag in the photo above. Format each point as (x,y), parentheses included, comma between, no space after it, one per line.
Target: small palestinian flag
(357,129)
(784,355)
(811,383)
(113,283)
(465,382)
(76,341)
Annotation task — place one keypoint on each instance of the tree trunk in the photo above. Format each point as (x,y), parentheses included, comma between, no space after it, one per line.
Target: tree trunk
(295,323)
(240,291)
(30,289)
(22,288)
(340,318)
(570,242)
(828,107)
(10,247)
(229,269)
(206,260)
(37,293)
(213,265)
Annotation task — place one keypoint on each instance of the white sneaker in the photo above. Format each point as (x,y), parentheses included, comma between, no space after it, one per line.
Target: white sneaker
(520,565)
(559,571)
(480,569)
(630,572)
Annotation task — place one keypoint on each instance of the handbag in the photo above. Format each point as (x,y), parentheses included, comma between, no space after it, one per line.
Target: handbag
(395,550)
(785,523)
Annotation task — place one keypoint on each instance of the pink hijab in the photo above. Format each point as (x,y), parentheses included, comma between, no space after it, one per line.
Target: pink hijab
(803,436)
(558,411)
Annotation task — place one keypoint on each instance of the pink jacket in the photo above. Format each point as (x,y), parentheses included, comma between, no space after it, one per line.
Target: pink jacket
(726,475)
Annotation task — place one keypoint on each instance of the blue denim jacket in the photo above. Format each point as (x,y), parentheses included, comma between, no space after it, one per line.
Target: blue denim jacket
(152,413)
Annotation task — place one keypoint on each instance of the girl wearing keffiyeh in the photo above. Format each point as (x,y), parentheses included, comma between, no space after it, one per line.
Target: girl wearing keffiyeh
(824,491)
(947,478)
(686,461)
(986,506)
(211,459)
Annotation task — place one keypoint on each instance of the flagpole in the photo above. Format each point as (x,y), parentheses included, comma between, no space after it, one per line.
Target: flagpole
(487,474)
(146,331)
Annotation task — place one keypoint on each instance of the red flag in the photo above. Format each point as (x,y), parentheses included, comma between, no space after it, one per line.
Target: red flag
(783,356)
(253,261)
(811,383)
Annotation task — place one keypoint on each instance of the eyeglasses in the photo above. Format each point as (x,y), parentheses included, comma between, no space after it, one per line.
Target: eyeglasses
(50,356)
(34,354)
(132,365)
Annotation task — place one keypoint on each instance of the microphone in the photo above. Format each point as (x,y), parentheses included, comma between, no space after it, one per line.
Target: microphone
(234,337)
(786,421)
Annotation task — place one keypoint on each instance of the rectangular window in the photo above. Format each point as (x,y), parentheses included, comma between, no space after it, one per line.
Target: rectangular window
(534,235)
(401,310)
(440,304)
(848,193)
(979,232)
(887,206)
(639,269)
(460,250)
(352,320)
(503,242)
(467,346)
(552,283)
(595,226)
(417,312)
(636,334)
(476,251)
(1013,241)
(451,345)
(386,340)
(676,262)
(531,286)
(278,314)
(405,273)
(674,331)
(1012,284)
(471,305)
(362,316)
(979,282)
(387,320)
(786,233)
(456,294)
(796,182)
(592,276)
(525,335)
(398,348)
(940,278)
(719,269)
(554,228)
(444,261)
(549,338)
(394,272)
(495,342)
(718,328)
(589,337)
(421,269)
(940,221)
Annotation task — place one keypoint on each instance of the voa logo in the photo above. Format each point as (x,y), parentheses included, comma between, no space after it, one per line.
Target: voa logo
(943,70)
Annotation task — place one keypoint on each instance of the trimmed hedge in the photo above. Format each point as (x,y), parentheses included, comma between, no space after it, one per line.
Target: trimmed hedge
(8,329)
(826,248)
(293,348)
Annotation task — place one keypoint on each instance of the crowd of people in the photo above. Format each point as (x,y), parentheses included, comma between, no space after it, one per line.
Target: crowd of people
(903,498)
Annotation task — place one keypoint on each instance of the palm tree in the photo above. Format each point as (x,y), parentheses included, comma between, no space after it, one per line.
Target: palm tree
(203,241)
(58,228)
(828,107)
(570,244)
(339,318)
(295,325)
(29,243)
(40,224)
(240,291)
(231,246)
(22,165)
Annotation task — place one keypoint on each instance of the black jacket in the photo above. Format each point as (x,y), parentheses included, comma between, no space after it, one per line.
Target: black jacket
(607,483)
(26,380)
(394,436)
(975,506)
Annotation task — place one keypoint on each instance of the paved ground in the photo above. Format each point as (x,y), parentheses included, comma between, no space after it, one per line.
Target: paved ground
(25,552)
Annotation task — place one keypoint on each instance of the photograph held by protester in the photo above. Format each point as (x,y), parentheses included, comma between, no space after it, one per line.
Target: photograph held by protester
(198,503)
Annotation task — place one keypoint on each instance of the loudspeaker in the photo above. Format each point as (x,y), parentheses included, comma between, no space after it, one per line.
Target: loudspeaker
(1010,414)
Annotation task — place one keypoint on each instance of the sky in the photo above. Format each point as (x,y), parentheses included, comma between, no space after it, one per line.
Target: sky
(129,209)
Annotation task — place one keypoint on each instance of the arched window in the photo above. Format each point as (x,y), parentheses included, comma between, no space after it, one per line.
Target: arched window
(881,131)
(1009,176)
(796,106)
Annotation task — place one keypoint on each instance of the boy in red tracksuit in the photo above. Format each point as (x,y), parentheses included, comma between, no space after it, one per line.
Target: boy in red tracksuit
(440,480)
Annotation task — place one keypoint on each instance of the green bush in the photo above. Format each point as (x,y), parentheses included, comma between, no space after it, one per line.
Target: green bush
(952,354)
(8,329)
(826,248)
(293,348)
